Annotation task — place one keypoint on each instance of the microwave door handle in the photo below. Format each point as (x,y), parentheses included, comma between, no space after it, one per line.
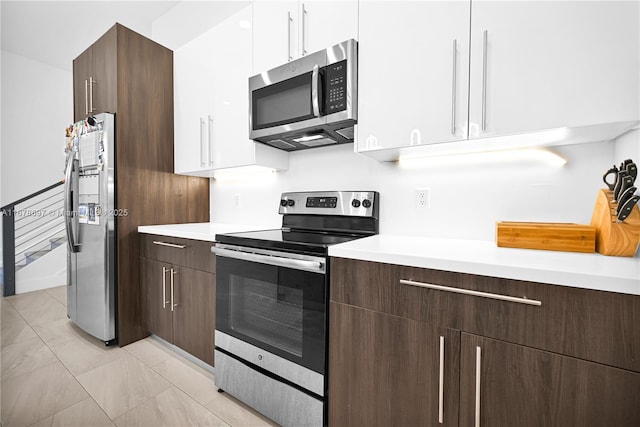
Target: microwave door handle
(315,94)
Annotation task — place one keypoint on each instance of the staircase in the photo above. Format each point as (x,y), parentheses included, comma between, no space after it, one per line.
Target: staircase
(33,231)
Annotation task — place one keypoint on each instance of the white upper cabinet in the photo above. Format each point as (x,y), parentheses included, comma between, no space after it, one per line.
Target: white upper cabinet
(326,23)
(520,67)
(193,105)
(211,76)
(286,30)
(413,71)
(548,64)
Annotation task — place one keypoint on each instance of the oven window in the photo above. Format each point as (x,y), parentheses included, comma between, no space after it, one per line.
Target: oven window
(281,310)
(281,103)
(267,313)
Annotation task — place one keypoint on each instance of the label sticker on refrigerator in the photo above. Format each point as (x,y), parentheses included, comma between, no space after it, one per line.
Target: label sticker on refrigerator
(93,217)
(83,211)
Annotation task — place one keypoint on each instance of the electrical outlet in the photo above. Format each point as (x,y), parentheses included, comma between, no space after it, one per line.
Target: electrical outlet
(423,198)
(236,200)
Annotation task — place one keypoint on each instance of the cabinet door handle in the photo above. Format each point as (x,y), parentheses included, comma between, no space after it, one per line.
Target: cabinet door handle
(441,383)
(484,79)
(86,97)
(171,281)
(304,15)
(470,292)
(171,245)
(202,153)
(164,287)
(91,82)
(478,366)
(210,130)
(453,89)
(289,21)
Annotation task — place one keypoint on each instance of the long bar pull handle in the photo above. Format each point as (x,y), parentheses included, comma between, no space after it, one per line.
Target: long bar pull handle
(315,93)
(289,21)
(298,264)
(69,208)
(304,15)
(171,245)
(453,88)
(210,131)
(484,79)
(91,82)
(164,287)
(441,383)
(86,97)
(173,272)
(202,153)
(470,292)
(478,366)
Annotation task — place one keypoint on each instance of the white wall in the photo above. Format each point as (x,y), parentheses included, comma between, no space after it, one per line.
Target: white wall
(628,147)
(466,200)
(36,106)
(188,19)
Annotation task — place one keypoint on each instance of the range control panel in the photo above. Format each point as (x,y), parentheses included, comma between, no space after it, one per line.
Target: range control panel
(343,203)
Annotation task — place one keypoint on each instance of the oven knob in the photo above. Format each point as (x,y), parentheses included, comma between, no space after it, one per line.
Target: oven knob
(291,202)
(366,203)
(355,203)
(283,203)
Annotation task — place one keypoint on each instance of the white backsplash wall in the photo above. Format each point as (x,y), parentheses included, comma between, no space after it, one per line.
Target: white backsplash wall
(628,147)
(465,200)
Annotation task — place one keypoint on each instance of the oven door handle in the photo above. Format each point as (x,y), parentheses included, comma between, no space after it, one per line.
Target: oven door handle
(297,264)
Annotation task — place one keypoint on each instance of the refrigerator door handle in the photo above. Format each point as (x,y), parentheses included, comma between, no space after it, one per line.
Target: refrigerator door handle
(68,208)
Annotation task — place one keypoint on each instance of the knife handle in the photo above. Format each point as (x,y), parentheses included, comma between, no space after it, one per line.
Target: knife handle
(627,208)
(613,171)
(624,196)
(618,186)
(632,170)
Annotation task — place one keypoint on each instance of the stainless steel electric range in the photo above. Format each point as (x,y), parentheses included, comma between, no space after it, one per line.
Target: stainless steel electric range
(272,297)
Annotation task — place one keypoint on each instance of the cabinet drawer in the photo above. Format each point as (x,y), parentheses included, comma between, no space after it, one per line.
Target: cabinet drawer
(185,252)
(593,325)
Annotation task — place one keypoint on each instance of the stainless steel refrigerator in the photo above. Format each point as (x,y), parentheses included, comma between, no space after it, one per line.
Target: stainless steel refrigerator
(90,213)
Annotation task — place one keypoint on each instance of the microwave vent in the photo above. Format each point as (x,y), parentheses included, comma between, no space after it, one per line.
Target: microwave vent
(281,144)
(346,133)
(318,142)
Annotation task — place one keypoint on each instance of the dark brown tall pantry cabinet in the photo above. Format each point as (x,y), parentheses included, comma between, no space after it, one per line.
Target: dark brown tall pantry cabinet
(127,74)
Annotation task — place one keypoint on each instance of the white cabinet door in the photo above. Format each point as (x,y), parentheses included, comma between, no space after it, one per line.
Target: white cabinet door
(412,73)
(326,23)
(193,94)
(229,122)
(275,34)
(552,64)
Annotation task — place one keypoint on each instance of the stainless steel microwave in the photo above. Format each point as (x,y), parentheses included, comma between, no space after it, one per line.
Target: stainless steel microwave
(306,103)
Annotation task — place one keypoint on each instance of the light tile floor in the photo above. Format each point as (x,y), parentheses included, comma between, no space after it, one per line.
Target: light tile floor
(54,374)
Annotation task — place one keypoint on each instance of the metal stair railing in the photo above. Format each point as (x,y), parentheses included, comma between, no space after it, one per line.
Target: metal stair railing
(31,227)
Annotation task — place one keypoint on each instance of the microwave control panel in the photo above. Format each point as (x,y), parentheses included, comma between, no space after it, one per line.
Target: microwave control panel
(336,84)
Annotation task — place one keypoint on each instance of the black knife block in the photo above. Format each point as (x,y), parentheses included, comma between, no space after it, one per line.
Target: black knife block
(613,237)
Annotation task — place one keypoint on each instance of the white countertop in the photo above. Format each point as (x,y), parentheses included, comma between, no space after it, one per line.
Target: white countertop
(589,271)
(199,231)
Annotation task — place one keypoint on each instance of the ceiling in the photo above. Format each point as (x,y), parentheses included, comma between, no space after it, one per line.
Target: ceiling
(56,32)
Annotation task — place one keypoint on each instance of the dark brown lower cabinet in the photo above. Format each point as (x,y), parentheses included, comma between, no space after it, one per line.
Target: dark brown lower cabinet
(518,385)
(390,371)
(179,301)
(571,360)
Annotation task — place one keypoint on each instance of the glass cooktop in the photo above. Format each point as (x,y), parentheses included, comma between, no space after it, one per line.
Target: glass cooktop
(295,241)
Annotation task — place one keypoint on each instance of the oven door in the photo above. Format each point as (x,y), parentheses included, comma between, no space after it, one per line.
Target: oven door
(274,301)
